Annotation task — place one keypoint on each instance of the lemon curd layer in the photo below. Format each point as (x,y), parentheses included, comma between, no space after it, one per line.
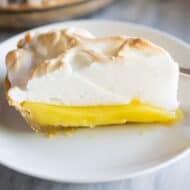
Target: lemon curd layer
(89,116)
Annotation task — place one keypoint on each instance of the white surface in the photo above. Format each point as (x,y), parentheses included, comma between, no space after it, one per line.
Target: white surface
(100,154)
(110,73)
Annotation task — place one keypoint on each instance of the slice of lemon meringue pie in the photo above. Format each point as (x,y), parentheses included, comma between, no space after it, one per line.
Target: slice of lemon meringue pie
(69,78)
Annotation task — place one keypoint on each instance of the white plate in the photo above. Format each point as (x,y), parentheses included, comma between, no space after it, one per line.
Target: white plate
(101,154)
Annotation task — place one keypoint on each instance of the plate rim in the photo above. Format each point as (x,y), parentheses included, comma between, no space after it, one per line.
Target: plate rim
(179,155)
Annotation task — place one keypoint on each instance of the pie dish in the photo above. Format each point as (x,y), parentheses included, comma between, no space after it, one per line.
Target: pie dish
(31,4)
(70,78)
(19,14)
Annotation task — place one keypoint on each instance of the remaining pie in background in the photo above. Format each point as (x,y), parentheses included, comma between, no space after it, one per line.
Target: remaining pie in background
(25,4)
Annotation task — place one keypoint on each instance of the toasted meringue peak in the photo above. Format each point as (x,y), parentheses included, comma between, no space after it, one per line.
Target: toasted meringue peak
(46,67)
(141,45)
(72,67)
(19,65)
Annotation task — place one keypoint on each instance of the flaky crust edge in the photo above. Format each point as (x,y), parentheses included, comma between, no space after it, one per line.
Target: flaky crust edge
(47,130)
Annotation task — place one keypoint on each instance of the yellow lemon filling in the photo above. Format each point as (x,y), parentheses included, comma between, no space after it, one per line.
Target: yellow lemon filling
(89,116)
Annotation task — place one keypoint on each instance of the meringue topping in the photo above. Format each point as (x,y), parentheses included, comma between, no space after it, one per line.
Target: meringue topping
(72,67)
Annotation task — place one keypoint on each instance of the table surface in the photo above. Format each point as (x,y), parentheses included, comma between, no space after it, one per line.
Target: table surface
(172,16)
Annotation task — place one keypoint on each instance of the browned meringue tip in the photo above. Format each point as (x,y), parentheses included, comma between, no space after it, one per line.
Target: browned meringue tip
(26,40)
(46,67)
(11,59)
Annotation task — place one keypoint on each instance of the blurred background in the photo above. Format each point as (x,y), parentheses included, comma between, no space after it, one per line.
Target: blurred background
(169,15)
(172,16)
